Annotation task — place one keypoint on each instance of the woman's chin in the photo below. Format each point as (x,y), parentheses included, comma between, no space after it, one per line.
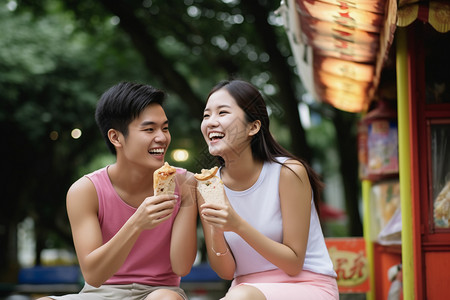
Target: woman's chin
(214,150)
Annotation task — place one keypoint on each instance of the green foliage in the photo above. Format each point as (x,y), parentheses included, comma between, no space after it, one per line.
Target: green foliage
(51,77)
(58,56)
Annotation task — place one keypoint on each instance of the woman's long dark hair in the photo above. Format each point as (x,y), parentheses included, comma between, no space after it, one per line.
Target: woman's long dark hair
(264,146)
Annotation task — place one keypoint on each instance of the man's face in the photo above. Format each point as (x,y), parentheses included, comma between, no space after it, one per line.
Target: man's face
(148,137)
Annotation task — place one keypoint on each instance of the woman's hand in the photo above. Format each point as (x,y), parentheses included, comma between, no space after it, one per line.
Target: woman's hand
(217,218)
(222,217)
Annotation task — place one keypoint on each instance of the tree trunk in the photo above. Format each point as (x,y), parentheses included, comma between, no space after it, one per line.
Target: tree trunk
(9,265)
(283,76)
(346,135)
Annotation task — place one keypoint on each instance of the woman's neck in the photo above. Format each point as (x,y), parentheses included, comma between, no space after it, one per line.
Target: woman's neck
(241,172)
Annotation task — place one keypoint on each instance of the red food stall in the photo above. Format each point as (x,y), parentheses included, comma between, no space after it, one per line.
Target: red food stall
(389,61)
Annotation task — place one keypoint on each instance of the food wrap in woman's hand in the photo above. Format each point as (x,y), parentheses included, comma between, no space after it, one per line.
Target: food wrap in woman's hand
(210,186)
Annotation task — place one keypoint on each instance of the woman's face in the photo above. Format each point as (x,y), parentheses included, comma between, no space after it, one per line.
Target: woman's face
(224,127)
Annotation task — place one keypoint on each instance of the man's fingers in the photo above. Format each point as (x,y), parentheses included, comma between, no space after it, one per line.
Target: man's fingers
(154,200)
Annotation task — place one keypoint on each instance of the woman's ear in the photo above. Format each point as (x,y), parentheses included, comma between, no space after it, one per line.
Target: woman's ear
(255,126)
(115,137)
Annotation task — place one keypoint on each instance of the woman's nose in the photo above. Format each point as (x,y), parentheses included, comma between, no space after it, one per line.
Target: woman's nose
(212,121)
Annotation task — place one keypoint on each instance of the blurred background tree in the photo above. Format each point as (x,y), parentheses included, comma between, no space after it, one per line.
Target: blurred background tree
(58,56)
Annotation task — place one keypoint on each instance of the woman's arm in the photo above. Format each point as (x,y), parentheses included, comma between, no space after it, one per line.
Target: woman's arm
(183,247)
(295,198)
(223,264)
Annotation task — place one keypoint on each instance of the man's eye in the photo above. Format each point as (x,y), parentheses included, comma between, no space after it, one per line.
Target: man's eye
(166,128)
(149,129)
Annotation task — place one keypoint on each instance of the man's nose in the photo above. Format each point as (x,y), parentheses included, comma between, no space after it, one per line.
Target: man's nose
(162,136)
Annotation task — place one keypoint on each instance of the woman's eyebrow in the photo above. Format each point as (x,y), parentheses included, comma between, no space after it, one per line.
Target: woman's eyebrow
(219,106)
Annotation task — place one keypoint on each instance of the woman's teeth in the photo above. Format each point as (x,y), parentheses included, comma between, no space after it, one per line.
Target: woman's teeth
(215,135)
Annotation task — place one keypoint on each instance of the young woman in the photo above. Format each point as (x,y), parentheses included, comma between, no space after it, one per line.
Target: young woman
(267,237)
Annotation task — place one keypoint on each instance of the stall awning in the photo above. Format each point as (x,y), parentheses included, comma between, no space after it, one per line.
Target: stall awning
(437,13)
(340,47)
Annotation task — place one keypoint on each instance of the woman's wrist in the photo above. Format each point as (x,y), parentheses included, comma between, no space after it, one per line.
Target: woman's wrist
(220,253)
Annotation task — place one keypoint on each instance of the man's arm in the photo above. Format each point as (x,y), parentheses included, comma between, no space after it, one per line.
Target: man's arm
(183,248)
(99,261)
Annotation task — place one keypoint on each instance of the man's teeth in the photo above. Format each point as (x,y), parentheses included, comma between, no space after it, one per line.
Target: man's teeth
(157,151)
(213,135)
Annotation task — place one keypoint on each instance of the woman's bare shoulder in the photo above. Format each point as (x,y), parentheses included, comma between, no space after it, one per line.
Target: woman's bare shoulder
(293,167)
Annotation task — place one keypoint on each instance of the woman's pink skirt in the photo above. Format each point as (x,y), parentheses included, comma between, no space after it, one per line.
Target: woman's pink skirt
(276,285)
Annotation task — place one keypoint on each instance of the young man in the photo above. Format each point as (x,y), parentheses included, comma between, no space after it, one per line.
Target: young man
(131,244)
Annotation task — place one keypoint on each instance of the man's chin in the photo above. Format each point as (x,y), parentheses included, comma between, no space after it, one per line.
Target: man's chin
(157,157)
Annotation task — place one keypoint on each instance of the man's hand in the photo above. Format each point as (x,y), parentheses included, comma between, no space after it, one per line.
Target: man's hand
(154,210)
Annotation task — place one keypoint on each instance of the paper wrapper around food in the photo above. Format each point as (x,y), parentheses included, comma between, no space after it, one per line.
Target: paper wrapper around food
(212,190)
(210,186)
(164,180)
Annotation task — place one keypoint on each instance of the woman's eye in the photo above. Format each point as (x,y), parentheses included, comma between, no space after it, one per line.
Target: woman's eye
(223,112)
(205,116)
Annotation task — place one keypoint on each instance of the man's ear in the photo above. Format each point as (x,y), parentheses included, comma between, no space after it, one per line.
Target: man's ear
(115,137)
(255,126)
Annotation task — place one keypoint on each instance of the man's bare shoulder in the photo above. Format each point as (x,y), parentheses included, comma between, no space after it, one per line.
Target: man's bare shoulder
(186,177)
(82,185)
(190,179)
(82,195)
(188,185)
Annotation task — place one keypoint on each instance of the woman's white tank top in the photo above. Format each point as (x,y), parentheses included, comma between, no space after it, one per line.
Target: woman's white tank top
(260,207)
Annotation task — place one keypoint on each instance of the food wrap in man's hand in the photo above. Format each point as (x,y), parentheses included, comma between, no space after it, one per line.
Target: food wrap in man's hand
(164,180)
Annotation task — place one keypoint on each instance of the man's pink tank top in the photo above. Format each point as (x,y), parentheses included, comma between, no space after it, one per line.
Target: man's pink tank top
(149,260)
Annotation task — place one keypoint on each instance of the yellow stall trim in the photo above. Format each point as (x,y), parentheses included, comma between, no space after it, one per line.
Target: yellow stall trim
(405,163)
(366,185)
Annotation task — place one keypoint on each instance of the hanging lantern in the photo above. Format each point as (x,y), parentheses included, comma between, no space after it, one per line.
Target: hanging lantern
(378,143)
